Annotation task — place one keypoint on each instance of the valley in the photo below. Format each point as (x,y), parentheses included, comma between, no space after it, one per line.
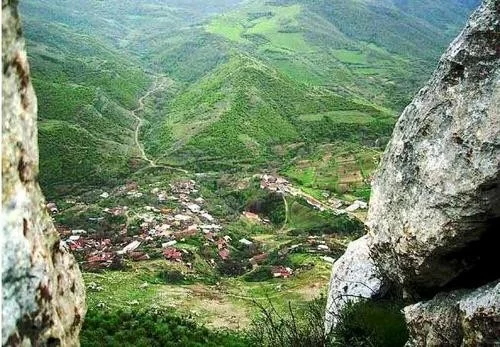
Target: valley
(154,88)
(169,245)
(201,159)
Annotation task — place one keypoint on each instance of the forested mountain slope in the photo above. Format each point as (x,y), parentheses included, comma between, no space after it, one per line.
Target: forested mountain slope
(249,82)
(247,112)
(85,91)
(88,73)
(381,50)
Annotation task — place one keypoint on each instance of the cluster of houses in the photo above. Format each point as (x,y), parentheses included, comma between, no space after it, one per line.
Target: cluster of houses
(158,226)
(282,186)
(162,230)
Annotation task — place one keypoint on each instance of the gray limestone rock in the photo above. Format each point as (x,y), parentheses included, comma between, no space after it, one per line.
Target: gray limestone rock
(434,216)
(354,277)
(43,292)
(435,204)
(460,318)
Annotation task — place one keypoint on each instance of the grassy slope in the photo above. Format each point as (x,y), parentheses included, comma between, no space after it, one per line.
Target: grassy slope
(85,91)
(243,110)
(333,43)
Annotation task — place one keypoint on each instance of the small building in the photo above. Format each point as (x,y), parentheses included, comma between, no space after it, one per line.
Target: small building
(224,254)
(258,259)
(252,216)
(246,242)
(281,272)
(172,254)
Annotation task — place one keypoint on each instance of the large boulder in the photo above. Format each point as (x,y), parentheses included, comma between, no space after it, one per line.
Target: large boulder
(459,318)
(354,277)
(435,204)
(43,293)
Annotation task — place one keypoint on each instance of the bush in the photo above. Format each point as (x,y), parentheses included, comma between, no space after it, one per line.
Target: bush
(172,277)
(276,258)
(270,205)
(292,328)
(151,329)
(231,268)
(261,274)
(361,324)
(371,324)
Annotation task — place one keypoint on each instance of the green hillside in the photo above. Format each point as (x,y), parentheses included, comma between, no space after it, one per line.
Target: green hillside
(89,72)
(245,112)
(85,93)
(381,51)
(251,85)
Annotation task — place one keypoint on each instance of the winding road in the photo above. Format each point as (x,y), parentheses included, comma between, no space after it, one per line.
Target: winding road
(140,121)
(157,85)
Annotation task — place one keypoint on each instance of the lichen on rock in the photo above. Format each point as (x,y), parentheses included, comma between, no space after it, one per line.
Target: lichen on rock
(43,292)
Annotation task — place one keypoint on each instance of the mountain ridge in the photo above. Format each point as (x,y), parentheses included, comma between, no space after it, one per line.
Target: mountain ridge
(304,41)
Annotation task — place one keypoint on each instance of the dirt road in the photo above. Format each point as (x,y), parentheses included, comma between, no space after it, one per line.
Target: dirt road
(158,84)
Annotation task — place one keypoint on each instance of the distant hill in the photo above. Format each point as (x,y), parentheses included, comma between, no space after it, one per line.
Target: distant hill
(245,111)
(249,81)
(380,50)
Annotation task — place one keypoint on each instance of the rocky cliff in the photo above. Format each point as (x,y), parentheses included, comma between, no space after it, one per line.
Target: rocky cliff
(433,223)
(43,293)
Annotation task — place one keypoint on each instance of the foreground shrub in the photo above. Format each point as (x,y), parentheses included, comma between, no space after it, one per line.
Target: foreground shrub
(290,328)
(371,324)
(151,329)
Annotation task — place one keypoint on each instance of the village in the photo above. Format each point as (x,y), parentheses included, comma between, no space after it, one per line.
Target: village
(172,222)
(337,206)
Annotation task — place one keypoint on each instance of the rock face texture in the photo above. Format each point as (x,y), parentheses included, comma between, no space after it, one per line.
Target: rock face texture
(43,292)
(436,197)
(354,277)
(434,213)
(469,318)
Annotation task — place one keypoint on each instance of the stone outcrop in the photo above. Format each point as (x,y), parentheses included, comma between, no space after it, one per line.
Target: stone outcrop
(354,277)
(459,318)
(433,222)
(43,292)
(436,196)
